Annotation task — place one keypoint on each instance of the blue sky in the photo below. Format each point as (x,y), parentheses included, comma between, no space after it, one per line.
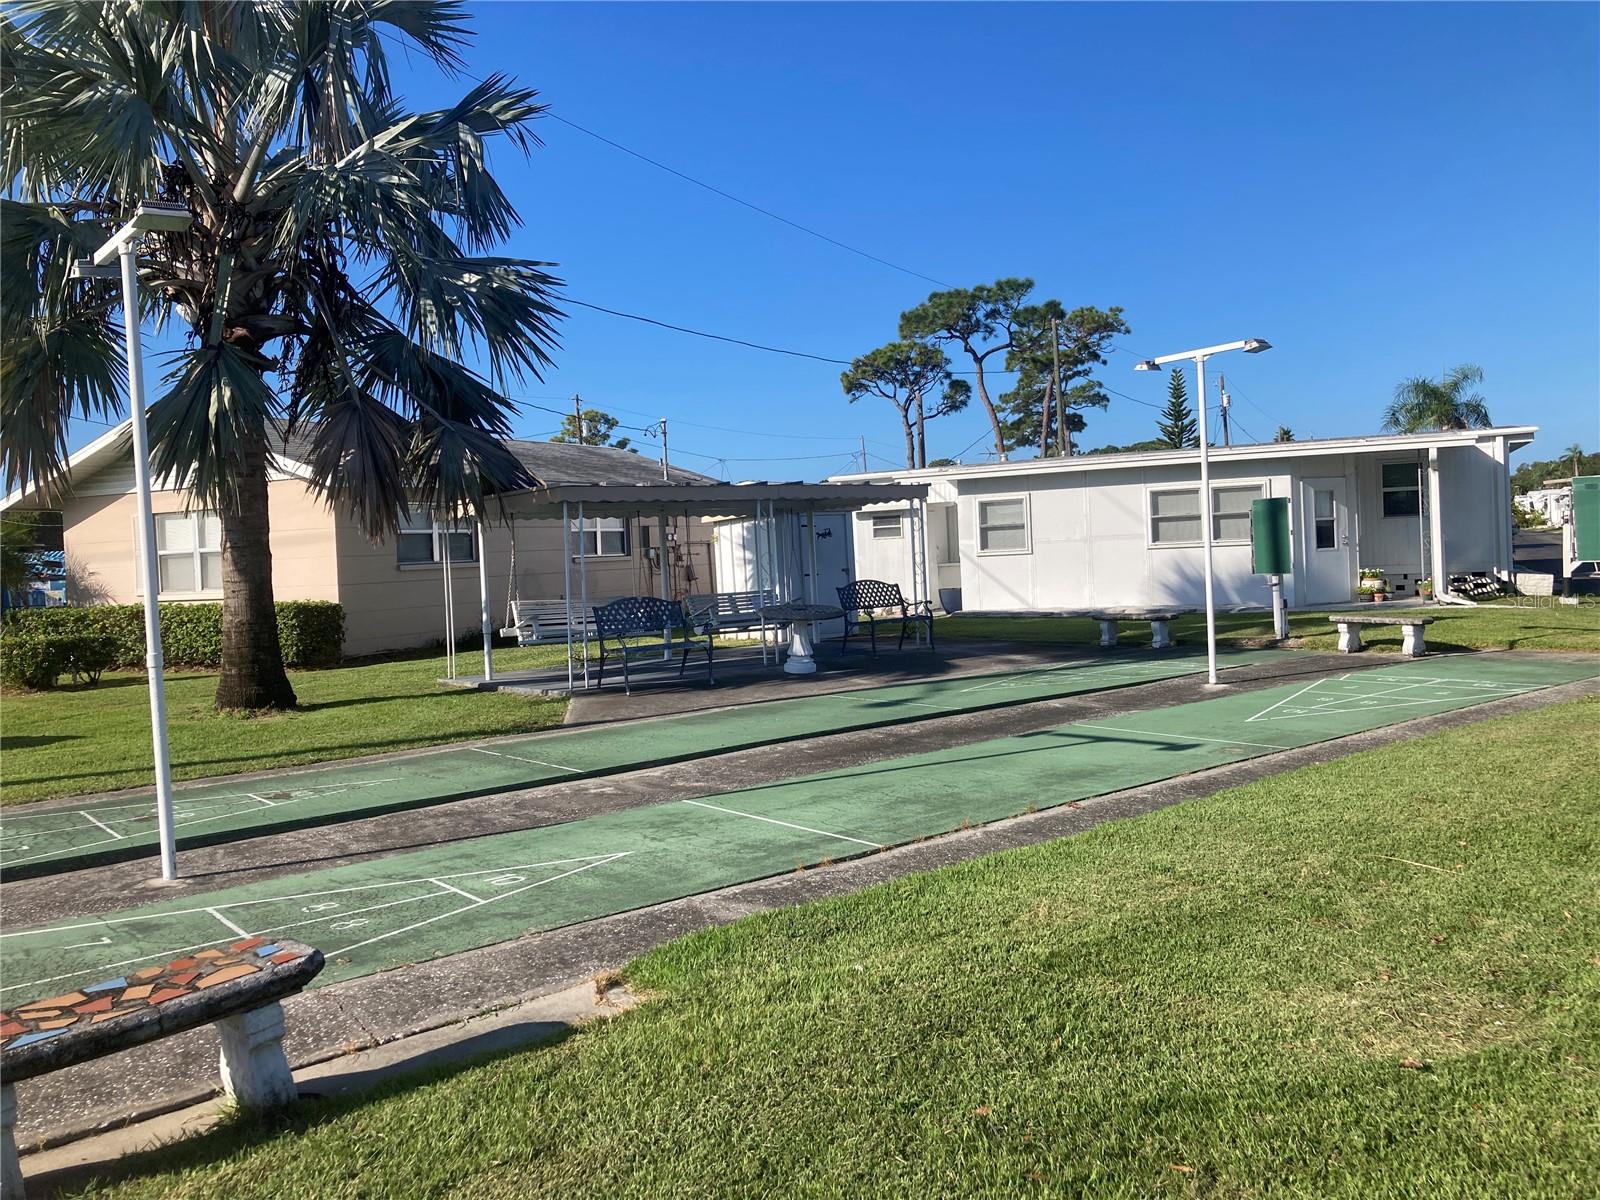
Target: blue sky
(1379,190)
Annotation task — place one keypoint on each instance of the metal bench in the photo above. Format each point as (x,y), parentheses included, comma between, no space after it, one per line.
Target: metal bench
(1411,630)
(868,603)
(620,624)
(1160,625)
(727,611)
(235,987)
(534,621)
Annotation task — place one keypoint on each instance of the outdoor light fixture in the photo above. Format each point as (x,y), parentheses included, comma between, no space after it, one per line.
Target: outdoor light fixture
(148,217)
(84,268)
(152,216)
(1198,357)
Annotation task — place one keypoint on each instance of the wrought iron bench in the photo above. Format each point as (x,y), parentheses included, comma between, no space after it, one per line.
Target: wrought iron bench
(868,603)
(620,624)
(533,621)
(235,987)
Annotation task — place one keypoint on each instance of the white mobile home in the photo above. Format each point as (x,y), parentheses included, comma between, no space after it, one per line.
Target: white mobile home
(1123,530)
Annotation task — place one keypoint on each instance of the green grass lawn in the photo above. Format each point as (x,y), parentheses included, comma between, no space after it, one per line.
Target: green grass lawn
(91,739)
(1486,627)
(1371,978)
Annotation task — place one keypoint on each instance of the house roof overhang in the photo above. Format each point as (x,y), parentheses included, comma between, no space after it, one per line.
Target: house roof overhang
(702,499)
(1517,436)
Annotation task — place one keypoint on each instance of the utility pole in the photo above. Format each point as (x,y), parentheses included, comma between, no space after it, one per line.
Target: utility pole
(863,453)
(664,477)
(1222,384)
(577,415)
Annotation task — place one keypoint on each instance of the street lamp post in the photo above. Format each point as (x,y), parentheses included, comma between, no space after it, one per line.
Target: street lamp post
(147,218)
(1199,357)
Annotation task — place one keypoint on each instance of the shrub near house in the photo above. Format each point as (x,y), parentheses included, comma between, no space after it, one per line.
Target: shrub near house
(39,645)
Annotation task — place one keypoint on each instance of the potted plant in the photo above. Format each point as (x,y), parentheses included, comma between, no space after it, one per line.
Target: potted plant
(1373,585)
(1425,588)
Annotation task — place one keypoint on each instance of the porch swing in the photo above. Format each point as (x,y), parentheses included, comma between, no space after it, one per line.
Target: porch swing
(535,621)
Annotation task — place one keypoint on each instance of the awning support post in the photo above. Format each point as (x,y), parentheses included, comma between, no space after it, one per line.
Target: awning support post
(566,583)
(483,600)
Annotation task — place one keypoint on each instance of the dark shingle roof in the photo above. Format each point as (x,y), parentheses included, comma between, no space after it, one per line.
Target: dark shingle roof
(550,462)
(553,463)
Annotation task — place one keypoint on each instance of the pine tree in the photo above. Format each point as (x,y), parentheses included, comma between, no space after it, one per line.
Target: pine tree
(1179,430)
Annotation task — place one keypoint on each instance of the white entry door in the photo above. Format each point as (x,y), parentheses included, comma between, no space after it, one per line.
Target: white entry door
(833,565)
(1325,533)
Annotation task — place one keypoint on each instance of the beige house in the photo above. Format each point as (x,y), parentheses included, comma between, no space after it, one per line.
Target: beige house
(392,591)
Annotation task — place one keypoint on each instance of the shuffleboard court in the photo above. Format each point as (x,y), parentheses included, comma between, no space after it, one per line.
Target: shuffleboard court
(68,838)
(417,906)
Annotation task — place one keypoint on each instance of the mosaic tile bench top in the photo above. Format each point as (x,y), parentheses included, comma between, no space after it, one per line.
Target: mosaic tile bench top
(148,1003)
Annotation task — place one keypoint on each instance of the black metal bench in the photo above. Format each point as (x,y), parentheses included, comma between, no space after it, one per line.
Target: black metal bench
(868,603)
(621,625)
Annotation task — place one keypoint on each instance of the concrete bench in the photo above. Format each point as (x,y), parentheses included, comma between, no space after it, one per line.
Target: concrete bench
(235,987)
(1411,631)
(1160,626)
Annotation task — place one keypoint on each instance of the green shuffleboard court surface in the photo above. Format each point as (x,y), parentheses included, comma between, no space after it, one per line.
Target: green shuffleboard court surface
(411,907)
(68,838)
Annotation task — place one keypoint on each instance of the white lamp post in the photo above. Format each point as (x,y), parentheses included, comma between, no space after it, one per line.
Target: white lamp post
(1199,357)
(148,217)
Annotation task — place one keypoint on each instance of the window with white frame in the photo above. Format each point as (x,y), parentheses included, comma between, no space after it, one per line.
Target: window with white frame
(189,552)
(1402,489)
(885,525)
(421,542)
(1175,517)
(1003,525)
(601,537)
(1230,511)
(1175,514)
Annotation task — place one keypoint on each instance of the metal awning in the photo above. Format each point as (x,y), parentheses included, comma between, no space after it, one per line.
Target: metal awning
(702,499)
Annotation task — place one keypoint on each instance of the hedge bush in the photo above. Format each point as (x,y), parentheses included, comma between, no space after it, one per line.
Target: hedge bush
(311,633)
(29,660)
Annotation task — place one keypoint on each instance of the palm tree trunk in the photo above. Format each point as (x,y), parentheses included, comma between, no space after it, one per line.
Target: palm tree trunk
(252,675)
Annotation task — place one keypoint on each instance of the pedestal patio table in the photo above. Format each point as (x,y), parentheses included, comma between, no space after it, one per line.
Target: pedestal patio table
(800,617)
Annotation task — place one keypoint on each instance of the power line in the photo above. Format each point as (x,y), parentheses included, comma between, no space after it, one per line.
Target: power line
(843,362)
(766,212)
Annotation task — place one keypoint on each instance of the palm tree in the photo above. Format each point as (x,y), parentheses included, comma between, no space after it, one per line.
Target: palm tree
(1575,453)
(1422,403)
(1284,434)
(337,274)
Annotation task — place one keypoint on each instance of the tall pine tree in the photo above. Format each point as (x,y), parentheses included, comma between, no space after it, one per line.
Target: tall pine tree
(1179,430)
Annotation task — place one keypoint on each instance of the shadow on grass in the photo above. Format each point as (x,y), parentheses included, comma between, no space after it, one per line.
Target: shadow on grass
(22,741)
(321,1102)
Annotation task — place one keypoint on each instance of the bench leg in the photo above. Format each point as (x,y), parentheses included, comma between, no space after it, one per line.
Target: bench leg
(1349,637)
(255,1071)
(10,1168)
(1411,641)
(1108,635)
